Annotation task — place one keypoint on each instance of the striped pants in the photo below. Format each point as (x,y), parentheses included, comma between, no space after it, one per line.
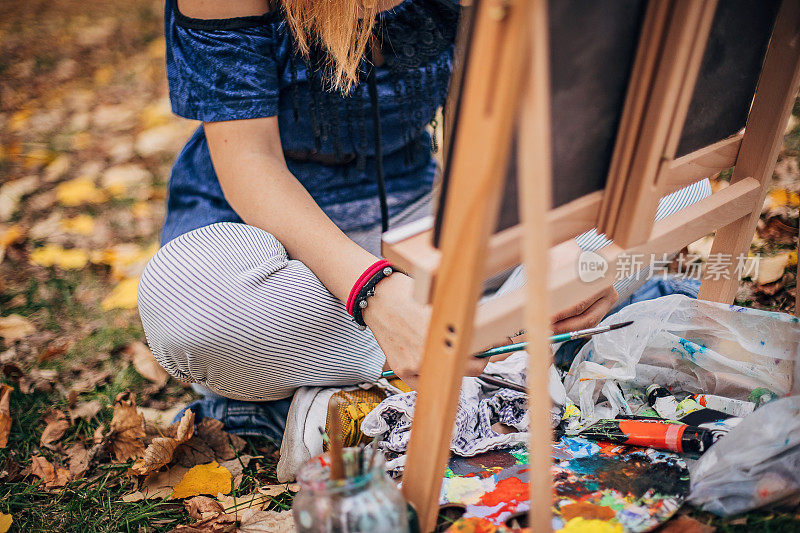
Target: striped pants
(225,307)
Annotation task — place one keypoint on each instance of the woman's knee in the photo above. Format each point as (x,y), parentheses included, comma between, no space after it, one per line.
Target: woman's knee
(194,284)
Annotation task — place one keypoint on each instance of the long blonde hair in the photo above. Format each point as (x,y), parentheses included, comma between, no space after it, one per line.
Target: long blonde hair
(341,28)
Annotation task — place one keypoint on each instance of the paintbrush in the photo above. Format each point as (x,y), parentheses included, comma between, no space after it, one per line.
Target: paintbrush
(517,346)
(491,380)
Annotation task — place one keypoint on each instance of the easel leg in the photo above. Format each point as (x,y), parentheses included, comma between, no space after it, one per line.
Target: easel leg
(777,87)
(534,177)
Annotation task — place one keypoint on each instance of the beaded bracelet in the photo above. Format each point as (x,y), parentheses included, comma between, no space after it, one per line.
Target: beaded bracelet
(367,290)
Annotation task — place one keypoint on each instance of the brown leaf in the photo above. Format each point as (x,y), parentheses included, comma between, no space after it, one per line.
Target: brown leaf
(54,349)
(202,507)
(145,364)
(237,505)
(57,425)
(254,521)
(5,414)
(127,428)
(98,436)
(52,475)
(89,380)
(210,442)
(236,465)
(158,484)
(219,524)
(87,410)
(78,460)
(15,327)
(686,524)
(161,449)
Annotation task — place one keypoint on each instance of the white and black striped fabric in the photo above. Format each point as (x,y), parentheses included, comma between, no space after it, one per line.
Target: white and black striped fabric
(225,307)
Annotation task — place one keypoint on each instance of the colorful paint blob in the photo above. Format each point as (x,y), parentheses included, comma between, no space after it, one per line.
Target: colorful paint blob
(598,487)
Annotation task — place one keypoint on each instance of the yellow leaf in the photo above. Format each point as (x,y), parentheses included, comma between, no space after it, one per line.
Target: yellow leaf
(103,75)
(203,479)
(55,255)
(157,48)
(80,224)
(5,522)
(142,209)
(126,260)
(81,190)
(37,157)
(11,235)
(123,296)
(81,140)
(19,119)
(782,197)
(792,258)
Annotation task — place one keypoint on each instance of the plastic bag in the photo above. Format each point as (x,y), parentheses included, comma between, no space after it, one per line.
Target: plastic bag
(689,346)
(756,464)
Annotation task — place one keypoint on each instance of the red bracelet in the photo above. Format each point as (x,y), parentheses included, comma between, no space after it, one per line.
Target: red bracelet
(362,280)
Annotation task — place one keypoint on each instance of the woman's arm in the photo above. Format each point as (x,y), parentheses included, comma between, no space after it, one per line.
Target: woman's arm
(248,160)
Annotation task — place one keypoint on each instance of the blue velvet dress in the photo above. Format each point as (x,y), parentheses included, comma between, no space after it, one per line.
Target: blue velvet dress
(249,67)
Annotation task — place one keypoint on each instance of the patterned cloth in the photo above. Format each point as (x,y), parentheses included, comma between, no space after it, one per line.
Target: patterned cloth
(248,67)
(480,406)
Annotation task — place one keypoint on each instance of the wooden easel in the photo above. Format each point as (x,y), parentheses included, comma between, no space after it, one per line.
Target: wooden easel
(505,92)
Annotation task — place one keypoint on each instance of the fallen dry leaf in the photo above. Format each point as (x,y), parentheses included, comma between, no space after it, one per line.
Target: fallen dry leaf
(5,414)
(159,452)
(254,521)
(87,410)
(12,192)
(127,428)
(78,460)
(771,268)
(219,524)
(686,524)
(80,190)
(52,475)
(158,484)
(54,349)
(145,363)
(5,522)
(89,380)
(15,327)
(237,505)
(9,236)
(57,425)
(55,255)
(203,479)
(236,465)
(82,224)
(202,507)
(123,296)
(210,442)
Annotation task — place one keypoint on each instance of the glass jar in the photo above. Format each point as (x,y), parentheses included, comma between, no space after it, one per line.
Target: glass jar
(369,502)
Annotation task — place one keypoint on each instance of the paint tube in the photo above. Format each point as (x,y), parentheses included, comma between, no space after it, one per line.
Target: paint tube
(665,404)
(728,406)
(662,435)
(762,396)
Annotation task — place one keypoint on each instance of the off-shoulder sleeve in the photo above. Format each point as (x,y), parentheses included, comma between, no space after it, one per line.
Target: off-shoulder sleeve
(221,69)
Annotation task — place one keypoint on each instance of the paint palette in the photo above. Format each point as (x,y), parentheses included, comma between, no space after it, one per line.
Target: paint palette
(629,488)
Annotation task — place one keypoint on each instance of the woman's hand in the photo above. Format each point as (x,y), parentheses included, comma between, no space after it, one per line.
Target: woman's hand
(585,314)
(400,325)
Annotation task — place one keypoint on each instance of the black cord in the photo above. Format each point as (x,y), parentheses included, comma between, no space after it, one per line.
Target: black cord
(376,125)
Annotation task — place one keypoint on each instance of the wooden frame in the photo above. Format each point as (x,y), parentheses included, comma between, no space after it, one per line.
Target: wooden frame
(451,276)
